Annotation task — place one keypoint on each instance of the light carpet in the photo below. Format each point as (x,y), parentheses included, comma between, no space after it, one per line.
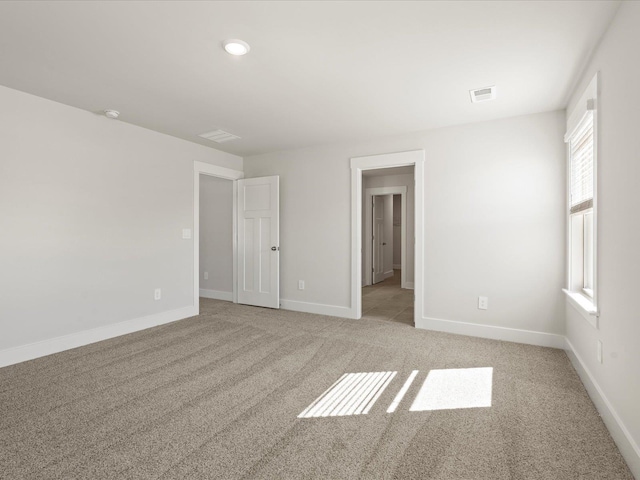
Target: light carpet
(218,396)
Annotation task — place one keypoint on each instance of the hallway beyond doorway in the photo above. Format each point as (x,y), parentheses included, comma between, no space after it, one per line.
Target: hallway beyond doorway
(387,301)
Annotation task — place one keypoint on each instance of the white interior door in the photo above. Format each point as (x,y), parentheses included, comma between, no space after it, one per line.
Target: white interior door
(259,242)
(378,238)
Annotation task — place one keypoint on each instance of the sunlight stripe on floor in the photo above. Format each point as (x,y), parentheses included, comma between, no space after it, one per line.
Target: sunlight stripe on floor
(351,394)
(402,392)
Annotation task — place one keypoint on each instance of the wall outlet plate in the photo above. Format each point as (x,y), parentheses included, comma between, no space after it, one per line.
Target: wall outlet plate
(300,284)
(483,303)
(157,294)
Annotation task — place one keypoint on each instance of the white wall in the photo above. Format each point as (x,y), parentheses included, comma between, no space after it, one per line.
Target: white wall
(618,376)
(494,219)
(91,215)
(405,180)
(494,200)
(216,234)
(314,219)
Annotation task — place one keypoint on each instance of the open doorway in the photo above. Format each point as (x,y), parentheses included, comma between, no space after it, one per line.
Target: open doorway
(216,238)
(359,167)
(387,244)
(216,183)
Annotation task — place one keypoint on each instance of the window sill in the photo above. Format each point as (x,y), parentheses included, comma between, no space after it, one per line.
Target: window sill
(584,305)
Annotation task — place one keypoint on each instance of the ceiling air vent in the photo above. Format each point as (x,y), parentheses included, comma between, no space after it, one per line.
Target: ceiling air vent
(483,94)
(219,136)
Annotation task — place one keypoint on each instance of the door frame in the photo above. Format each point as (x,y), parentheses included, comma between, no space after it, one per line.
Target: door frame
(367,254)
(201,168)
(373,162)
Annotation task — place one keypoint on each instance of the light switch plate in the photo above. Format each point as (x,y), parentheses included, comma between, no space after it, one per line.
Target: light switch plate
(186,233)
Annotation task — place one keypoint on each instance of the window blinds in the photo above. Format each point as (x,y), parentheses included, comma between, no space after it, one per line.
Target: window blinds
(582,166)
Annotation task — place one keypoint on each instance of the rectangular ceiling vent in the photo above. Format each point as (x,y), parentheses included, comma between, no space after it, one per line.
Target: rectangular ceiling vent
(219,136)
(483,94)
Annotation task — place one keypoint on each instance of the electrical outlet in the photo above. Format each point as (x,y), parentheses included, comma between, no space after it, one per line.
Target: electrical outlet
(186,233)
(206,275)
(599,352)
(157,294)
(483,303)
(300,284)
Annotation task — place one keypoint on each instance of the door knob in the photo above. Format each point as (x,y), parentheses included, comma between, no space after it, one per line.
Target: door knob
(384,243)
(274,248)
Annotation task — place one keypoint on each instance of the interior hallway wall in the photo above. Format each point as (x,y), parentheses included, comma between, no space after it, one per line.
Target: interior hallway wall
(388,236)
(397,230)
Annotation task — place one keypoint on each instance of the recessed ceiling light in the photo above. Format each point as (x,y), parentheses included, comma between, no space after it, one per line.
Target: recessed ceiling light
(113,114)
(236,47)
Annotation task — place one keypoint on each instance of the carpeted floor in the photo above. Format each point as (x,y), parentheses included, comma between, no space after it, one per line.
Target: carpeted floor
(387,301)
(218,396)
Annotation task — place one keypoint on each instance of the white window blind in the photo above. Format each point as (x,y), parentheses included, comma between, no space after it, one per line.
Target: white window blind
(582,166)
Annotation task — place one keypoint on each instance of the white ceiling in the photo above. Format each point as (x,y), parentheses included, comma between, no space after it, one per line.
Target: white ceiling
(317,73)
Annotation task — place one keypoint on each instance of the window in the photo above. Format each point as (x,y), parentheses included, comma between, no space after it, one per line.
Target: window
(581,148)
(588,254)
(582,206)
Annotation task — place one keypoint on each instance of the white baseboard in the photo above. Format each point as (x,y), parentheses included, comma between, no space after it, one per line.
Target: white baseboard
(388,273)
(397,266)
(216,294)
(627,446)
(541,339)
(408,285)
(320,309)
(30,351)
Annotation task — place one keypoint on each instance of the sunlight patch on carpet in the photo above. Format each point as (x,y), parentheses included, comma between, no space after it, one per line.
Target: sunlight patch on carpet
(401,393)
(352,394)
(455,388)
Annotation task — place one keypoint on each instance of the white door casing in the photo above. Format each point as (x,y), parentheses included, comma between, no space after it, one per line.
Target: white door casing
(259,242)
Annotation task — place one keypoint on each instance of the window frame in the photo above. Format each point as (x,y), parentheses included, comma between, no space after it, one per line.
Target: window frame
(583,298)
(588,254)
